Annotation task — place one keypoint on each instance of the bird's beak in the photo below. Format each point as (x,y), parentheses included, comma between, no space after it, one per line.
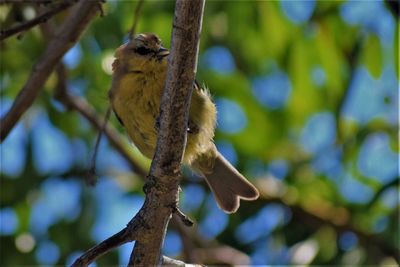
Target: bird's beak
(163,52)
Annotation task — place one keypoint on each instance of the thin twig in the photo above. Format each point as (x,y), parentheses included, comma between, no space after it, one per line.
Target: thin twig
(39,19)
(138,10)
(381,190)
(92,177)
(183,217)
(128,234)
(2,2)
(67,35)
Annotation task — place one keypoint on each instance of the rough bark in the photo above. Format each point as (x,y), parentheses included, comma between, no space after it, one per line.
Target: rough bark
(149,225)
(162,186)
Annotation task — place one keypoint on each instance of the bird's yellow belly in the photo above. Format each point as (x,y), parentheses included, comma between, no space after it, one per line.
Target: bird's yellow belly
(138,105)
(140,125)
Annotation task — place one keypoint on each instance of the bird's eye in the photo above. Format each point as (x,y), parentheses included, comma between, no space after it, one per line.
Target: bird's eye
(143,50)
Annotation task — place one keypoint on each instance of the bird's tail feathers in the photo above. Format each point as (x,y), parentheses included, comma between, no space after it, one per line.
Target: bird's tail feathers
(229,186)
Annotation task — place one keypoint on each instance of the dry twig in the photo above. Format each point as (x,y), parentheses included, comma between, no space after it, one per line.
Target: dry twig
(39,19)
(128,234)
(138,10)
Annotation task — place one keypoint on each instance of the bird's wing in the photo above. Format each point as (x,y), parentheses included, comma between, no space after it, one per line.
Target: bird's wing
(193,127)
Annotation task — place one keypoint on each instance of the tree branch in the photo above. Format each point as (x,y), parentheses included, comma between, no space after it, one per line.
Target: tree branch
(162,186)
(67,35)
(39,19)
(163,181)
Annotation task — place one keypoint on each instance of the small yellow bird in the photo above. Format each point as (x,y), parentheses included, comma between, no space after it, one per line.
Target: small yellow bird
(139,73)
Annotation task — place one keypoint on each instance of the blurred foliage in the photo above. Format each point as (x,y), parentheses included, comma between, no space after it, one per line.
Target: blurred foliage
(307,94)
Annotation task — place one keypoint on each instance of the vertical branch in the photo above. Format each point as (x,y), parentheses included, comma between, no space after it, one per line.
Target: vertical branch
(162,186)
(67,35)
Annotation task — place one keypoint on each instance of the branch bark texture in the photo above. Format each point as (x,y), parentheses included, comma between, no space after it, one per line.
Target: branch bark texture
(39,19)
(162,186)
(66,36)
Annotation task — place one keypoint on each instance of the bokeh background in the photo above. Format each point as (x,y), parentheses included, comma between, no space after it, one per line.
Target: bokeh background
(307,95)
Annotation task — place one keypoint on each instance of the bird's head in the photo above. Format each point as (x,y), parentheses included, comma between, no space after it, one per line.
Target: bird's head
(143,54)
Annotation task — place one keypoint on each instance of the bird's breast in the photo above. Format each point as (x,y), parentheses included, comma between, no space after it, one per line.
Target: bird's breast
(136,101)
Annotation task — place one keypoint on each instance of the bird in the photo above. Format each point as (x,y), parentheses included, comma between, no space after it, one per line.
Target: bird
(139,73)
